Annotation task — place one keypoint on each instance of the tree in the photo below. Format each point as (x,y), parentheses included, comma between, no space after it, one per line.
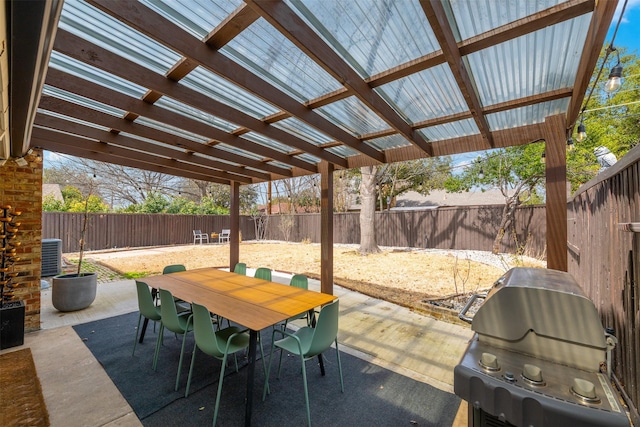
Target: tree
(368,243)
(612,120)
(384,183)
(516,171)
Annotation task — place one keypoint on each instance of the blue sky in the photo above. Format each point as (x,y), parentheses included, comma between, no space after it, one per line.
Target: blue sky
(628,33)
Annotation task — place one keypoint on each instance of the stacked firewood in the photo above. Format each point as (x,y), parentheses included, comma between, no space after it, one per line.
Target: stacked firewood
(8,244)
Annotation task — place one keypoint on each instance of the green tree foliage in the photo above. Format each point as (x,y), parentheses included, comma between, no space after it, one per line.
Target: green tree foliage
(51,204)
(516,171)
(74,201)
(423,176)
(157,203)
(611,120)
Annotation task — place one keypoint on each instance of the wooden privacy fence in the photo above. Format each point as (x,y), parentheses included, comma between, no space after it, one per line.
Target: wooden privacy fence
(471,227)
(604,257)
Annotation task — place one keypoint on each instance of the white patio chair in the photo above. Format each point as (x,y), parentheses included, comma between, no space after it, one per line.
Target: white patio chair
(198,235)
(224,235)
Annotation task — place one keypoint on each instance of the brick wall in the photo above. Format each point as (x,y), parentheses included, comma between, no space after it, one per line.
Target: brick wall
(21,187)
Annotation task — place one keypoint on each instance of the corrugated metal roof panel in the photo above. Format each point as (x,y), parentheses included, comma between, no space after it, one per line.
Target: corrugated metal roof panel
(273,57)
(391,141)
(94,75)
(424,95)
(450,130)
(352,115)
(479,16)
(81,100)
(194,113)
(95,26)
(372,35)
(197,17)
(527,115)
(302,130)
(521,67)
(204,81)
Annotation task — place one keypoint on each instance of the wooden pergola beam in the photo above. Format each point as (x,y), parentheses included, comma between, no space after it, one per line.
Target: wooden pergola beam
(80,49)
(73,84)
(437,17)
(112,122)
(298,32)
(556,192)
(164,31)
(199,164)
(81,147)
(596,34)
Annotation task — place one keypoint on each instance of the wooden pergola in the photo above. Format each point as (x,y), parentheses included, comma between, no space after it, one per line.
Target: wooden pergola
(237,92)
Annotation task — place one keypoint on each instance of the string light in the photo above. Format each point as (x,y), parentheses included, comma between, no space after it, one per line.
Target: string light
(614,82)
(614,77)
(582,131)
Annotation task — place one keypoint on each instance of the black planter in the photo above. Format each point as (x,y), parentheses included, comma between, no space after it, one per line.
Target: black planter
(11,324)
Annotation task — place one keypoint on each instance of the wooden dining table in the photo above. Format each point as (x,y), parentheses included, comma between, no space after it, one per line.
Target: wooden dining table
(253,303)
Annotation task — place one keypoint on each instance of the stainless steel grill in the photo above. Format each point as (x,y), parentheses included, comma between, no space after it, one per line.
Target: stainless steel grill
(536,357)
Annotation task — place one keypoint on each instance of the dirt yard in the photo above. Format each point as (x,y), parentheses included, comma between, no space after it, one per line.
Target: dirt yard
(401,276)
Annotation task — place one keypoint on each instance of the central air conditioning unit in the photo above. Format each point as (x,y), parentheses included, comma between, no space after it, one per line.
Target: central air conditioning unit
(51,257)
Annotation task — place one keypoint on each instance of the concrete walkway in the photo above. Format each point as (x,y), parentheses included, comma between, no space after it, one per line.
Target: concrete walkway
(79,393)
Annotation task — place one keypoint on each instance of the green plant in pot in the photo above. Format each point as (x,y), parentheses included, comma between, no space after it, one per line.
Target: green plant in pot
(76,291)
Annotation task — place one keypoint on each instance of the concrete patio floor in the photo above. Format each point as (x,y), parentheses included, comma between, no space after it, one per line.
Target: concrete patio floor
(78,392)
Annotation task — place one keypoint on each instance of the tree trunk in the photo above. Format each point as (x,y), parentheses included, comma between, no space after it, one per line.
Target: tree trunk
(368,243)
(508,216)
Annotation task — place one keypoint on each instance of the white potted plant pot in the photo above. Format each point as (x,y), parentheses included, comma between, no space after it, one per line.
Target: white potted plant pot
(71,292)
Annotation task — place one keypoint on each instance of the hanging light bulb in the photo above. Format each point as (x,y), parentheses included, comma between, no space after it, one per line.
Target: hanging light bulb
(582,132)
(570,144)
(543,158)
(614,76)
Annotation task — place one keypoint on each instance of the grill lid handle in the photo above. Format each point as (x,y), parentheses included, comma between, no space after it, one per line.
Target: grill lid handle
(462,315)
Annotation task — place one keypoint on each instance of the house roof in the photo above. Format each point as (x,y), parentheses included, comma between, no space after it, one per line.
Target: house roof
(413,199)
(52,190)
(233,91)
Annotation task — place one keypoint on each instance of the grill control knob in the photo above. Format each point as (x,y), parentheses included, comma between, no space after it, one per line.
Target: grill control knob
(532,373)
(584,389)
(489,361)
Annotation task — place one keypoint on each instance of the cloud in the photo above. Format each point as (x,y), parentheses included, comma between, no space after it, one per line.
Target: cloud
(631,4)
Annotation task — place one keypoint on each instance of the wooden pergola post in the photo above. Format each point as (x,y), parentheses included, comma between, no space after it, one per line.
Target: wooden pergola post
(326,227)
(556,181)
(234,213)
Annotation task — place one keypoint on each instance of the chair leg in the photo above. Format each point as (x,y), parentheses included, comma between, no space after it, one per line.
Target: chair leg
(184,340)
(339,367)
(137,330)
(266,381)
(215,411)
(158,341)
(306,391)
(264,366)
(193,359)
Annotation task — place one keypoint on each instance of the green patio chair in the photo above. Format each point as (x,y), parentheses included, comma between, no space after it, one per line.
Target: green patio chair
(219,344)
(177,268)
(299,281)
(263,273)
(174,268)
(307,343)
(240,268)
(179,324)
(147,308)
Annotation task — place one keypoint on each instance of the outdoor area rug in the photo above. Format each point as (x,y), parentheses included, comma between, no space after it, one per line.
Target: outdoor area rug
(21,400)
(373,395)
